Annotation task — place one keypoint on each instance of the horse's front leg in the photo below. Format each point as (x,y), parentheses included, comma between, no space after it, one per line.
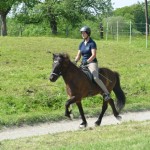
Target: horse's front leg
(84,122)
(104,108)
(68,103)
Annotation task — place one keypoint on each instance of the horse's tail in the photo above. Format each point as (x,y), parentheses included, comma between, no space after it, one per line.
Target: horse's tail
(121,99)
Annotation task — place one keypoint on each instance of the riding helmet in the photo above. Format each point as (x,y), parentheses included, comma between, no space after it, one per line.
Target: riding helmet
(86,29)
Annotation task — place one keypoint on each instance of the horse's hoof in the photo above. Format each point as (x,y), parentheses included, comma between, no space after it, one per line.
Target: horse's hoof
(119,118)
(83,125)
(97,123)
(71,116)
(66,114)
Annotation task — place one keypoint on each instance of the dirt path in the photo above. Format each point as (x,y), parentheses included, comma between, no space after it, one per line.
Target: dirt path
(71,125)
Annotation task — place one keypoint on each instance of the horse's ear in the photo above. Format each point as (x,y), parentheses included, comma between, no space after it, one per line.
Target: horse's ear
(66,56)
(54,55)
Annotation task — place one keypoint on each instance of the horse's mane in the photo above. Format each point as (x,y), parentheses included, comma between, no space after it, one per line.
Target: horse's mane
(64,55)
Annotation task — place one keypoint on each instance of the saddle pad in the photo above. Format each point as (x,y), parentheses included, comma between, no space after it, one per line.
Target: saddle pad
(87,72)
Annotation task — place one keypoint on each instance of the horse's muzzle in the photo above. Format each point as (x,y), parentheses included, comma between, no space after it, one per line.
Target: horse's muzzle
(53,78)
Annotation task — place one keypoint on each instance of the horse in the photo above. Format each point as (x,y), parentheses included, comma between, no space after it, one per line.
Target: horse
(78,86)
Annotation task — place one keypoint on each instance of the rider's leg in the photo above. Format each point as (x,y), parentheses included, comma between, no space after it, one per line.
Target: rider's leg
(93,67)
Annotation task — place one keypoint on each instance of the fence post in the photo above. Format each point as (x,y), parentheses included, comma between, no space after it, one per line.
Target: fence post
(146,35)
(0,27)
(130,32)
(117,31)
(107,31)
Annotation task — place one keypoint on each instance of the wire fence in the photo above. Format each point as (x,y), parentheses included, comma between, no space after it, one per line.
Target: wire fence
(121,30)
(110,31)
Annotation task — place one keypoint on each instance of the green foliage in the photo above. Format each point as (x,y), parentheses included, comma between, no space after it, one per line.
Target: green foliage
(6,5)
(60,14)
(134,13)
(69,17)
(125,12)
(62,18)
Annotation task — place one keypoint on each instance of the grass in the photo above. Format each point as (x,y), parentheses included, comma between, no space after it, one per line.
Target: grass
(27,96)
(131,136)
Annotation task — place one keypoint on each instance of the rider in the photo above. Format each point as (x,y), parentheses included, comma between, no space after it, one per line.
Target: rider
(88,49)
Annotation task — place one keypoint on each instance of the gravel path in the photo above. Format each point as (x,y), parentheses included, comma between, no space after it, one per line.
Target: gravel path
(70,125)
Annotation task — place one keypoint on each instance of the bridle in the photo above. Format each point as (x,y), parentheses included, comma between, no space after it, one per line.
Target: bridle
(56,74)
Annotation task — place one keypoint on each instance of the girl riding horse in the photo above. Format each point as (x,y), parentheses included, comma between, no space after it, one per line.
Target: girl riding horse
(78,86)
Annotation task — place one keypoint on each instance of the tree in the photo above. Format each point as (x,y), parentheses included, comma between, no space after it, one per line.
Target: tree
(74,11)
(5,7)
(68,12)
(134,13)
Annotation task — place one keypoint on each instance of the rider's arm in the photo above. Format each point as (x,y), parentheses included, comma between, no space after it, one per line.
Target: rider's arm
(78,56)
(93,56)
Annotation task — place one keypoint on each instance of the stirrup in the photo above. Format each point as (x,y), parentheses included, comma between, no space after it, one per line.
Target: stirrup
(106,96)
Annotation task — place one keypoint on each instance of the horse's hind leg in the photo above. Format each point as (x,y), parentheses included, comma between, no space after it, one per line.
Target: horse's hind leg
(115,112)
(84,122)
(104,108)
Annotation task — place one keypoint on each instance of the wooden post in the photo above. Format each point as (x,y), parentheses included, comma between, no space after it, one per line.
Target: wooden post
(130,32)
(146,18)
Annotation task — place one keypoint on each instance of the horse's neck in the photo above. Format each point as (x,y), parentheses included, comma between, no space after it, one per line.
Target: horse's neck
(70,72)
(77,81)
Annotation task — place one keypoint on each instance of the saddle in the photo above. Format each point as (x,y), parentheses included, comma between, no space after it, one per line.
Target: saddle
(87,72)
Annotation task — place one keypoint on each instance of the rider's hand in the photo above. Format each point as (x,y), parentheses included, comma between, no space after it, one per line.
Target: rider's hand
(85,63)
(75,62)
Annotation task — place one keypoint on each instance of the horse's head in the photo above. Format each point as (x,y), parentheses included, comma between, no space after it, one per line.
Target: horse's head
(60,62)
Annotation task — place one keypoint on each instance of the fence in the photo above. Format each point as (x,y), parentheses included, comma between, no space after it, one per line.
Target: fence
(115,30)
(118,30)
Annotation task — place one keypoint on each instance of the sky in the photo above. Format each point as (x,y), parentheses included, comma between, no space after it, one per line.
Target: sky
(123,3)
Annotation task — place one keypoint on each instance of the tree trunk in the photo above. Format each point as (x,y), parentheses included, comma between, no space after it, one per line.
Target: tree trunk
(52,20)
(53,25)
(3,15)
(3,26)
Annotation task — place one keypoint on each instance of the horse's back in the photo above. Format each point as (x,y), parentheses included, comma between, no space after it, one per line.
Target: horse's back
(108,77)
(107,72)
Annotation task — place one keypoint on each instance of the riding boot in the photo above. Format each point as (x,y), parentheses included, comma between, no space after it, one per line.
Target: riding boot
(106,96)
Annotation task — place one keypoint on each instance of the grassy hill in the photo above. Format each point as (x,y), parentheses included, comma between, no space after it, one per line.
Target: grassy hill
(27,96)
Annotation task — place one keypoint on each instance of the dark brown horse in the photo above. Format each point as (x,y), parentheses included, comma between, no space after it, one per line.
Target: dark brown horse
(79,86)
